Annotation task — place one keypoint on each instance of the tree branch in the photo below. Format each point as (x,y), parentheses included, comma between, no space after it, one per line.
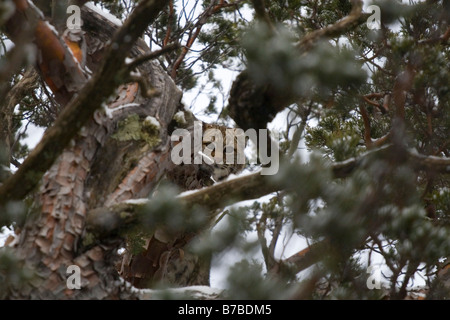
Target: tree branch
(353,19)
(214,7)
(304,258)
(366,121)
(260,9)
(82,107)
(429,163)
(107,220)
(152,55)
(246,187)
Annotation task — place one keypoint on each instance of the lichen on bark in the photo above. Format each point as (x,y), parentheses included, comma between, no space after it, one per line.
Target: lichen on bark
(134,128)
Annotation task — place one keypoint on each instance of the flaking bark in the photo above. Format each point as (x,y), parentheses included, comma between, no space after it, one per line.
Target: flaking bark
(51,238)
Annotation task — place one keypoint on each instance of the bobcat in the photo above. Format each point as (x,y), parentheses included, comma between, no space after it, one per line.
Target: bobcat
(219,144)
(159,260)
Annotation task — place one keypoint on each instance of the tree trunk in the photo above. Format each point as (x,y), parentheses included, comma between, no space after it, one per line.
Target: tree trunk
(115,157)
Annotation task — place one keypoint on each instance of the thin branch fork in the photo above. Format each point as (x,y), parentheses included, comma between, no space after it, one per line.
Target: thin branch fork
(146,89)
(203,19)
(266,251)
(371,102)
(368,98)
(371,143)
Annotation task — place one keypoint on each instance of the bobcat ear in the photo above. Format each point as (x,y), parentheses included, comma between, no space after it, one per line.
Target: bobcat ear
(184,118)
(220,172)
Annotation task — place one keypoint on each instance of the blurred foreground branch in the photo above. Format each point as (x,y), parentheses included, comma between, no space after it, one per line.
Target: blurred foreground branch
(106,220)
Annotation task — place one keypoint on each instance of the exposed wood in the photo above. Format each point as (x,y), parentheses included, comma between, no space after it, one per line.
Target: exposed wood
(80,110)
(55,60)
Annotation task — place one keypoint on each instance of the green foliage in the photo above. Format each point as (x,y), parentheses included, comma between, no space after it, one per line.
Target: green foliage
(6,10)
(166,214)
(441,200)
(245,282)
(339,138)
(13,212)
(217,46)
(165,211)
(378,199)
(12,272)
(34,106)
(274,60)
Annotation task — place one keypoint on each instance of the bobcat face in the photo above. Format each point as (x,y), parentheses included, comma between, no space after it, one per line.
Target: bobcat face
(223,150)
(221,153)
